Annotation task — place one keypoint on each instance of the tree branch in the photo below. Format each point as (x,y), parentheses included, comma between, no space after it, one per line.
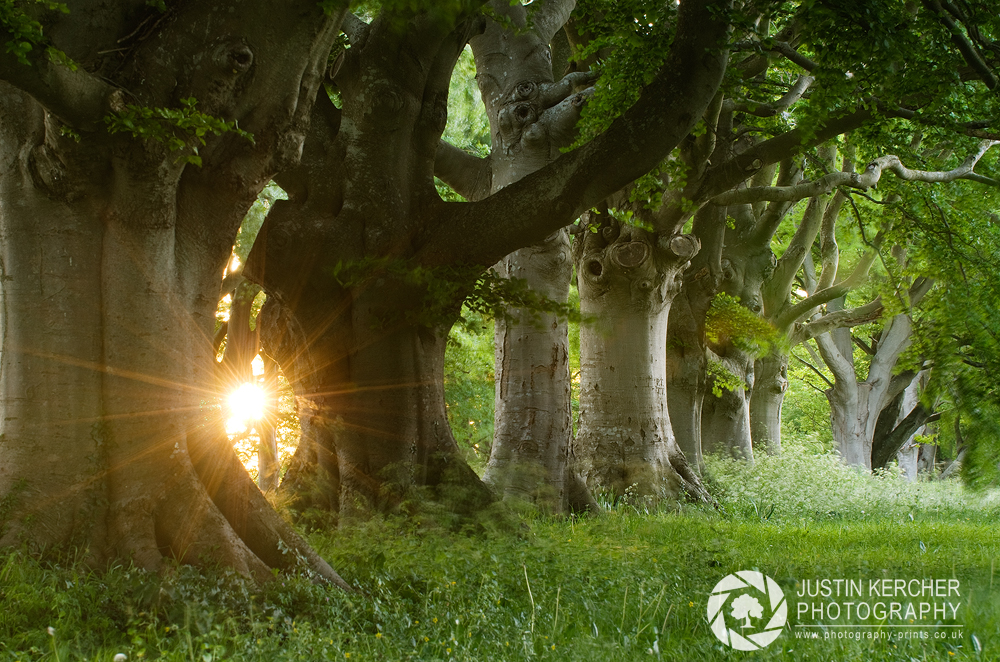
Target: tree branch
(668,108)
(865,180)
(74,96)
(548,17)
(841,366)
(777,286)
(814,369)
(730,173)
(965,47)
(469,175)
(838,320)
(772,109)
(792,55)
(788,317)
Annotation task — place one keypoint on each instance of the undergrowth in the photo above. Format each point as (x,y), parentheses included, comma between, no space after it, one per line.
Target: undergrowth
(632,583)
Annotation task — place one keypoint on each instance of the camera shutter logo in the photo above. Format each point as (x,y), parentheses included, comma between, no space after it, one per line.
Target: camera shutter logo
(750,591)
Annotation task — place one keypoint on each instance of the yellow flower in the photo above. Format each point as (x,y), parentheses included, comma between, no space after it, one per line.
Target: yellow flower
(427,638)
(690,604)
(447,650)
(434,620)
(553,646)
(347,655)
(378,635)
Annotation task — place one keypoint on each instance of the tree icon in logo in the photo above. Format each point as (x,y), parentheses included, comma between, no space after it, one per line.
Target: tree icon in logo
(746,606)
(752,590)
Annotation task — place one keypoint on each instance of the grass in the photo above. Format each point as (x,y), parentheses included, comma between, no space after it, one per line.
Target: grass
(631,584)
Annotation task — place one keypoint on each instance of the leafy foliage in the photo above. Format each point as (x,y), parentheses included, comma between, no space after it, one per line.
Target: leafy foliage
(728,321)
(180,129)
(721,378)
(484,292)
(468,386)
(26,33)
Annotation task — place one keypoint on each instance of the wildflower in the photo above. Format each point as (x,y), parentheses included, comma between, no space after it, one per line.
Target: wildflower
(52,631)
(690,604)
(434,620)
(378,635)
(120,657)
(553,646)
(447,650)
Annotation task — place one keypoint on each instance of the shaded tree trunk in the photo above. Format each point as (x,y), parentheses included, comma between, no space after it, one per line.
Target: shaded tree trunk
(725,418)
(687,347)
(112,258)
(268,465)
(770,384)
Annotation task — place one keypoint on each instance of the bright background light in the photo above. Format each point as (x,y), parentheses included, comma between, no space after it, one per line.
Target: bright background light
(245,404)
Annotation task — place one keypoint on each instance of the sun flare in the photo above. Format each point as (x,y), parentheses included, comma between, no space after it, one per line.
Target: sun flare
(246,404)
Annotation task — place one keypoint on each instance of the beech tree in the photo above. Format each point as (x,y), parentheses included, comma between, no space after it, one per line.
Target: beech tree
(532,416)
(135,136)
(771,296)
(364,287)
(738,260)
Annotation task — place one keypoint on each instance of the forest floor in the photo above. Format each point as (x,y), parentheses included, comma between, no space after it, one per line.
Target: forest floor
(633,583)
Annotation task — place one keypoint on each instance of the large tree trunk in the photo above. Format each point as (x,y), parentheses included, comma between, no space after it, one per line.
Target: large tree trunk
(531,117)
(367,366)
(533,422)
(770,384)
(855,405)
(107,365)
(625,442)
(686,374)
(112,252)
(725,418)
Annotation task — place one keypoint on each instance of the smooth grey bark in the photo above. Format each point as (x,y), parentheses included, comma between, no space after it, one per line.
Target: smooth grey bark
(855,404)
(533,423)
(531,117)
(627,281)
(687,346)
(112,249)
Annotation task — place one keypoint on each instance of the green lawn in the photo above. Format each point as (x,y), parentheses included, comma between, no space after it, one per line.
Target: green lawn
(630,584)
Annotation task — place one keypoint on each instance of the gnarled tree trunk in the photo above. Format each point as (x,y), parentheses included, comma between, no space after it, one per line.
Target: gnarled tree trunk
(627,283)
(112,250)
